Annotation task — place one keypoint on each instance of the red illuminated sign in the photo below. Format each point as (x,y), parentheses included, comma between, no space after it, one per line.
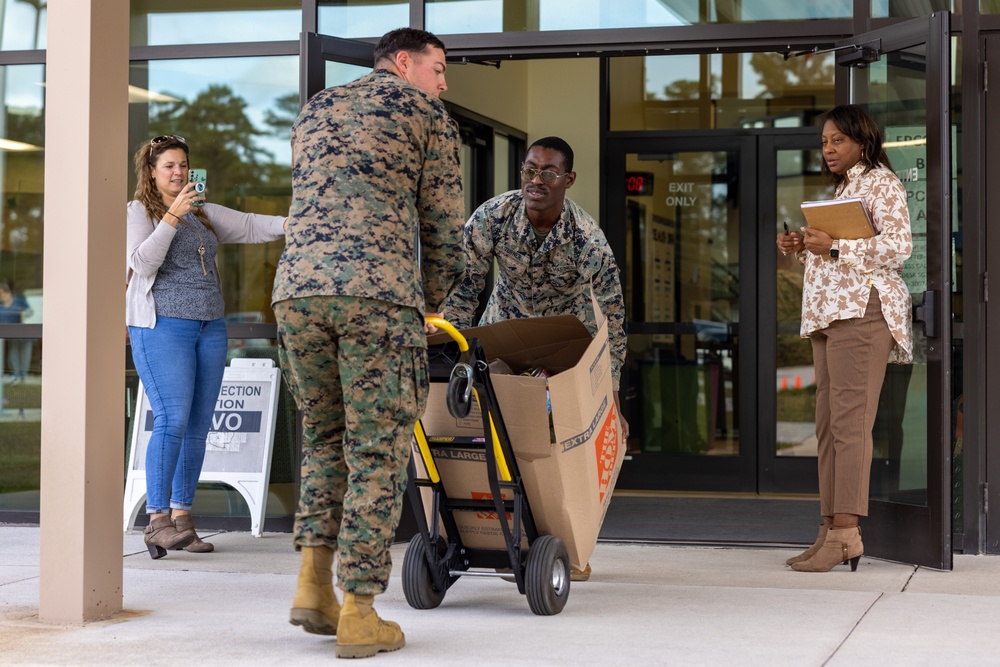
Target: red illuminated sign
(638,183)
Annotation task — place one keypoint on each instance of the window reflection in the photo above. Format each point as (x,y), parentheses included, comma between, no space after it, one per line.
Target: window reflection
(895,9)
(20,425)
(799,180)
(236,114)
(23,24)
(716,91)
(155,23)
(682,293)
(337,74)
(474,16)
(355,19)
(22,136)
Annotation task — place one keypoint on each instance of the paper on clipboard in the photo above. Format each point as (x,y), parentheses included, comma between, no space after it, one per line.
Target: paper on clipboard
(840,218)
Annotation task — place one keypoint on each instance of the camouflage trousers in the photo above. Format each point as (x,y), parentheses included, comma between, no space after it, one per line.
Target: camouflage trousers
(358,371)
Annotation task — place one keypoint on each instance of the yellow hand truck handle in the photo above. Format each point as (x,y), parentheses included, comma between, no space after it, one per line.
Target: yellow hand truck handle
(463,346)
(445,325)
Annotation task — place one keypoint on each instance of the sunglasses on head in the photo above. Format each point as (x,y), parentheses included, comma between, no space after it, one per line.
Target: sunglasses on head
(165,138)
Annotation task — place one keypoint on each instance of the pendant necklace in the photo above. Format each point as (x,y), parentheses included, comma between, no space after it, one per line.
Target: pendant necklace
(201,250)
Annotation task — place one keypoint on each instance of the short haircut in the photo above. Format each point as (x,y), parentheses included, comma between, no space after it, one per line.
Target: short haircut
(557,144)
(410,40)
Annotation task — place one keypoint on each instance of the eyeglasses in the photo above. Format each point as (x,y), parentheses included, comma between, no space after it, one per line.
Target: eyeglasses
(165,138)
(548,177)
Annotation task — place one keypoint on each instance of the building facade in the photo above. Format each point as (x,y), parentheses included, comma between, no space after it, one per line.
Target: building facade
(694,126)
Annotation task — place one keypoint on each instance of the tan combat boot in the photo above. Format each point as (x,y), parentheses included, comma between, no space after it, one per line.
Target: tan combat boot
(315,606)
(362,633)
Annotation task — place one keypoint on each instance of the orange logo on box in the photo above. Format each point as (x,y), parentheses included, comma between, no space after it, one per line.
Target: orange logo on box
(606,445)
(492,516)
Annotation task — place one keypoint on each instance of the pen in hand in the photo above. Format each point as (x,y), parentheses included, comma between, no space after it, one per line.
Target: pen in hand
(786,227)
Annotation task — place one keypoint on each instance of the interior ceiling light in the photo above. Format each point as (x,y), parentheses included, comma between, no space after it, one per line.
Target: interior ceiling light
(17,146)
(136,95)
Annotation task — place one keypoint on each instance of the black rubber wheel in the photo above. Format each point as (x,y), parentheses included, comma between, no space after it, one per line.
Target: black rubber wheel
(418,586)
(546,576)
(458,404)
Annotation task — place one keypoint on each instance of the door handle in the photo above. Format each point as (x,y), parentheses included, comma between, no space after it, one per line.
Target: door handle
(926,312)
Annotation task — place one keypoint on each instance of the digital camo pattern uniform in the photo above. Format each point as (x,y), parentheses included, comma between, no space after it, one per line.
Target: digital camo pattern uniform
(554,279)
(358,370)
(375,166)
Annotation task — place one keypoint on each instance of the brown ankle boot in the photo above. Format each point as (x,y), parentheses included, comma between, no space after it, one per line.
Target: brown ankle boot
(808,553)
(315,605)
(161,534)
(841,545)
(185,523)
(361,633)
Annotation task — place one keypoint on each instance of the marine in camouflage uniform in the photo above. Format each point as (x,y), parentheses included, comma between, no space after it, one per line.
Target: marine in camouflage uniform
(553,259)
(374,239)
(553,274)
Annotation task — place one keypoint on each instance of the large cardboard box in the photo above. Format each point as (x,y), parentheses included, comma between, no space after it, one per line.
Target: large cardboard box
(569,481)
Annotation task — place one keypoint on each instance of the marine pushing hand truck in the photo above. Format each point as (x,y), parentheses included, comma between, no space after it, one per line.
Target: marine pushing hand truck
(434,561)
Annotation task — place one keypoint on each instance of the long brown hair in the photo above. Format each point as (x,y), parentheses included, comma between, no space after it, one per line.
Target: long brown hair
(855,122)
(146,192)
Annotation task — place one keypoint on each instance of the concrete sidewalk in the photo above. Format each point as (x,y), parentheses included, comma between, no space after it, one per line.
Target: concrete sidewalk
(644,605)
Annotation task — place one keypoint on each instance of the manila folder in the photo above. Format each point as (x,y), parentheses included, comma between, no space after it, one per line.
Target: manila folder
(840,218)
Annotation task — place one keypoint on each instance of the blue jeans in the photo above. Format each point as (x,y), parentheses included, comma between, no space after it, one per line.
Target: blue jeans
(180,363)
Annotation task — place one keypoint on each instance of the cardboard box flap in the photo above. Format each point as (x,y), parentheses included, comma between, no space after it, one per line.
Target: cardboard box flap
(555,343)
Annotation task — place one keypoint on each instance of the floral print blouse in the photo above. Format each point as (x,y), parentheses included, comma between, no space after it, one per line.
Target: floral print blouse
(838,289)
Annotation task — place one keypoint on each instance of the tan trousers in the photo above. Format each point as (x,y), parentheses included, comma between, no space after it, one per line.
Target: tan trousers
(850,357)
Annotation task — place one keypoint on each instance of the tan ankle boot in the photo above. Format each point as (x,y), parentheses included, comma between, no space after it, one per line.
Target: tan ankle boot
(841,545)
(808,553)
(315,605)
(361,633)
(185,524)
(161,534)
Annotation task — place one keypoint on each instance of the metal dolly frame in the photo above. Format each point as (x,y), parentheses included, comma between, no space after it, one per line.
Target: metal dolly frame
(434,562)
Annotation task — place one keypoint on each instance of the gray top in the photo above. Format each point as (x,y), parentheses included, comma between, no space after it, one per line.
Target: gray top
(163,262)
(182,289)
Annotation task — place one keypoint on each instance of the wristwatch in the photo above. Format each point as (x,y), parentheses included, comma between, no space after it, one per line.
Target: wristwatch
(834,251)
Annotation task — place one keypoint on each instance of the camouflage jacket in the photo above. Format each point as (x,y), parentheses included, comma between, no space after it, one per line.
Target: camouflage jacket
(377,205)
(557,278)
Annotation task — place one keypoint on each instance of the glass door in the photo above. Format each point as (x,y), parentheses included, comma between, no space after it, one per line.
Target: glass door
(788,174)
(689,277)
(901,75)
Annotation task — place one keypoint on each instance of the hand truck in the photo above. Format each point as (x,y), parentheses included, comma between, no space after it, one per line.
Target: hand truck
(435,561)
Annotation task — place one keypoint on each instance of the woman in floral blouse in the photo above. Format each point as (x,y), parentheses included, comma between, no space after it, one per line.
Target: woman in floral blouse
(856,312)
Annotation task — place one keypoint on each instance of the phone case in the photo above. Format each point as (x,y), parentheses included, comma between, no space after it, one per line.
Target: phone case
(199,177)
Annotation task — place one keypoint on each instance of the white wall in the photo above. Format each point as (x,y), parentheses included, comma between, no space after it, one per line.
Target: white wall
(542,98)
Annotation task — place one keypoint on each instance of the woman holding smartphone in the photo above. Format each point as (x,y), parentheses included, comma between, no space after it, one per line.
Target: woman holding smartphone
(856,313)
(174,313)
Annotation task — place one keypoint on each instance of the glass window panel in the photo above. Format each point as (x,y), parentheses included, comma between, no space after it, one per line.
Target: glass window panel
(337,74)
(799,180)
(475,16)
(682,283)
(22,167)
(155,23)
(897,98)
(718,91)
(989,6)
(236,114)
(908,8)
(355,19)
(23,24)
(20,425)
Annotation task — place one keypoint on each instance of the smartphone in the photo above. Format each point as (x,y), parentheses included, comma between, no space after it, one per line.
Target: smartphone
(199,177)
